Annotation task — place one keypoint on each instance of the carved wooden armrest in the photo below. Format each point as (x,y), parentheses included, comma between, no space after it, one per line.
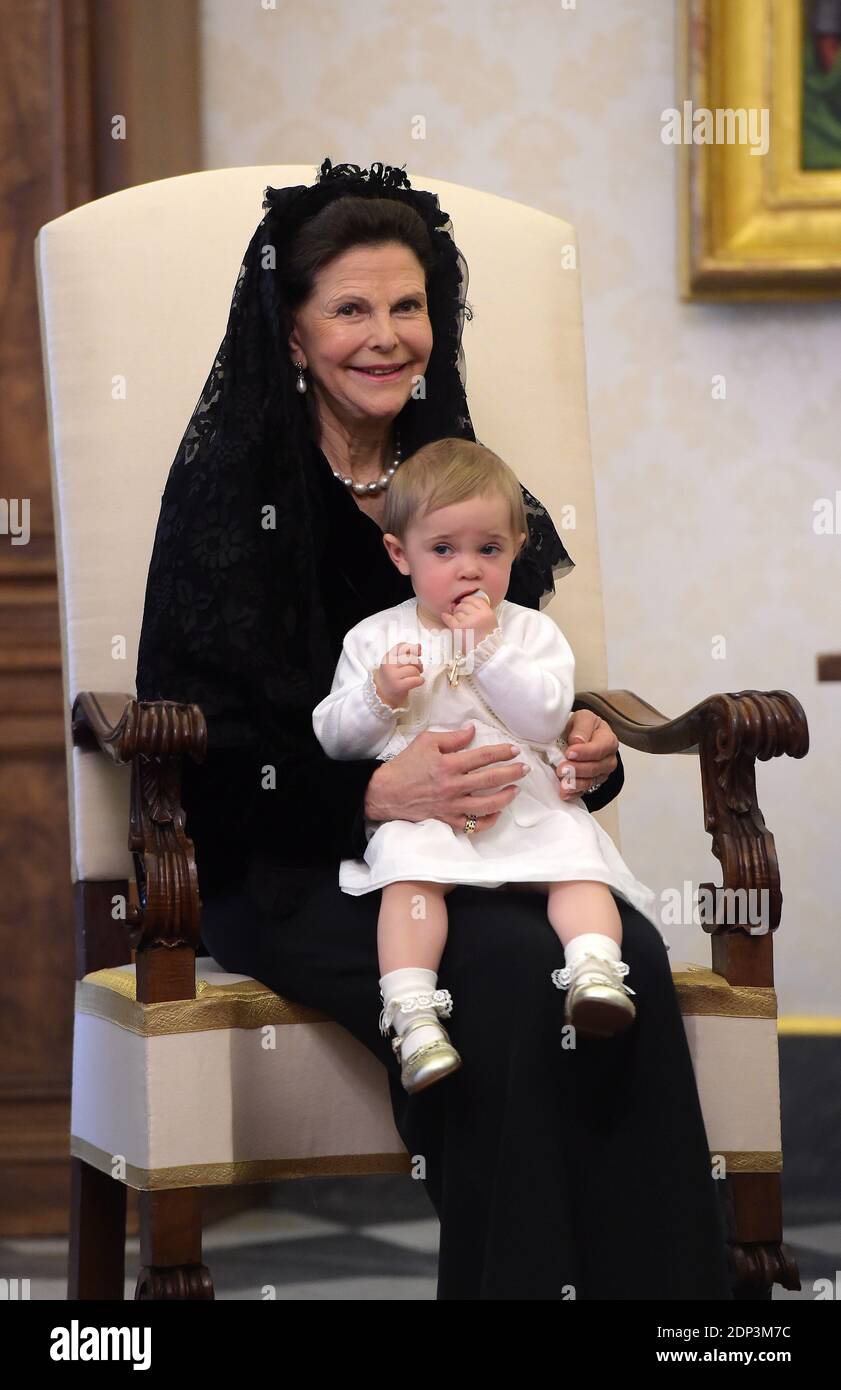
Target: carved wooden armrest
(728,732)
(153,736)
(123,727)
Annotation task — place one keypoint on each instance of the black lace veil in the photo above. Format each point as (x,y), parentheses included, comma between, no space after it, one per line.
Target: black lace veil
(233,619)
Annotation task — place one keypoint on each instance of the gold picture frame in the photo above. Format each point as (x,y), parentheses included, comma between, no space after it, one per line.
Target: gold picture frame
(753,225)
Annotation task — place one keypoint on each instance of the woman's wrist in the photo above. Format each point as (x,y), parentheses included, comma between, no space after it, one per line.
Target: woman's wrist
(375,807)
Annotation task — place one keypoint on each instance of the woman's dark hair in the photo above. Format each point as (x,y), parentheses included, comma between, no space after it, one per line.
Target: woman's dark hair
(346,223)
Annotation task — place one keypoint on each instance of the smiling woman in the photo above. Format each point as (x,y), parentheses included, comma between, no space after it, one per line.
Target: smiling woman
(368,274)
(361,365)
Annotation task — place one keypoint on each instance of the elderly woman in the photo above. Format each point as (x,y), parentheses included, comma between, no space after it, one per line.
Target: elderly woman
(556,1172)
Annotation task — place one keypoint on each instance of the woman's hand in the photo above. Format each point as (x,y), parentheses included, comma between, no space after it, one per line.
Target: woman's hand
(594,744)
(433,780)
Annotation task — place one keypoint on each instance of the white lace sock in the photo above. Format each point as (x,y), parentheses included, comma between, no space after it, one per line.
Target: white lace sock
(408,984)
(591,943)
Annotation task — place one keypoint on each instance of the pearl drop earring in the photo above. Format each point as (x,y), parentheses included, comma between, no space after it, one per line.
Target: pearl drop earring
(300,384)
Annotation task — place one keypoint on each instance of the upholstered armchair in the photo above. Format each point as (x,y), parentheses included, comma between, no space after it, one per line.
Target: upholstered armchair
(172,1091)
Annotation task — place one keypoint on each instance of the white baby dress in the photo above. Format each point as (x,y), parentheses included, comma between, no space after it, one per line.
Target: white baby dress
(516,685)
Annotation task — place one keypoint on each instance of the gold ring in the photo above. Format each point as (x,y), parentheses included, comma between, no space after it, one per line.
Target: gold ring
(469,825)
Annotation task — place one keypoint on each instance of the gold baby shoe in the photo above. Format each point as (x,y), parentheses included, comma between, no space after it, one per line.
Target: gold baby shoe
(429,1063)
(597,1005)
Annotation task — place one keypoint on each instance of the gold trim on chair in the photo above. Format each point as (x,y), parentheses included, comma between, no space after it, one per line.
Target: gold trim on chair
(250,1171)
(741,1161)
(327,1165)
(111,994)
(701,991)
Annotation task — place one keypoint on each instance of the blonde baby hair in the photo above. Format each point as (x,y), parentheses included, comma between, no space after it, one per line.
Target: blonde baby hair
(445,472)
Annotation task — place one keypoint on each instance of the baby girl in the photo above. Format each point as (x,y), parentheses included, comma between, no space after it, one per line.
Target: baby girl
(460,653)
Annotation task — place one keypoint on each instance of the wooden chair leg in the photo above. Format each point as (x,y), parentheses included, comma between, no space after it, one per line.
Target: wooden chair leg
(759,1259)
(170,1246)
(97,1247)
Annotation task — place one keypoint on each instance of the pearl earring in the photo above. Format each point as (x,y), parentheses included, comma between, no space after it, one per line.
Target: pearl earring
(300,384)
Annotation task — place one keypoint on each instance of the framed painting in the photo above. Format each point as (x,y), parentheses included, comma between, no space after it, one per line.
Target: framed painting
(759,125)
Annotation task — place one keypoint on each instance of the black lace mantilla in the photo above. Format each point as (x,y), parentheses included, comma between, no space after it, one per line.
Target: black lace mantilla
(233,619)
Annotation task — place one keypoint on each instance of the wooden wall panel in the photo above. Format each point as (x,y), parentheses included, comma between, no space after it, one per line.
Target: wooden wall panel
(67,67)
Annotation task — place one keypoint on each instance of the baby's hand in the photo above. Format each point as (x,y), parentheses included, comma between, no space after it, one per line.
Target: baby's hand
(398,673)
(472,614)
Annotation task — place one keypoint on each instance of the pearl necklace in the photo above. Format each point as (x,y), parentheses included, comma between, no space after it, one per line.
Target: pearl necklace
(371,489)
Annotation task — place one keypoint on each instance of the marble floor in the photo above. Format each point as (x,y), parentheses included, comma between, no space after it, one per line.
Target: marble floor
(345,1238)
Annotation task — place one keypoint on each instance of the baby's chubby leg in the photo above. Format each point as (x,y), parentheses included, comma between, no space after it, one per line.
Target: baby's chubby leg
(412,925)
(584,915)
(411,935)
(579,906)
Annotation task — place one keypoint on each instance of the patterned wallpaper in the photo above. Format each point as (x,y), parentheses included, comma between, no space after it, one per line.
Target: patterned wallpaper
(713,575)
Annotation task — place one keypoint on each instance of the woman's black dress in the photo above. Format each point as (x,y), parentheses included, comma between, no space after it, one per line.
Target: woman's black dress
(551,1169)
